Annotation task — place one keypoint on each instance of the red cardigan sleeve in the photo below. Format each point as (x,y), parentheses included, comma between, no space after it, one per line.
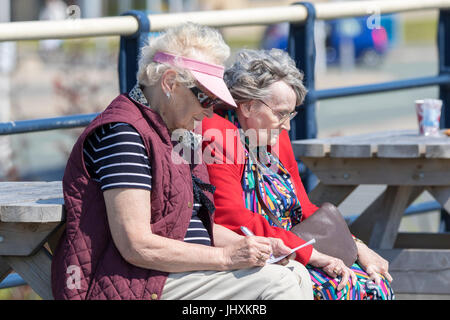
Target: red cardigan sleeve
(222,144)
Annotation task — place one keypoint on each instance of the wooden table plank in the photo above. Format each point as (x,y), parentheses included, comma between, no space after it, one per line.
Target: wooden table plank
(23,239)
(348,171)
(32,212)
(419,240)
(437,151)
(20,192)
(384,144)
(37,202)
(312,149)
(352,150)
(399,150)
(419,271)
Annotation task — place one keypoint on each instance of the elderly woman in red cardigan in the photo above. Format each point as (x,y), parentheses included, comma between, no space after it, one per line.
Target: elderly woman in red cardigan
(267,86)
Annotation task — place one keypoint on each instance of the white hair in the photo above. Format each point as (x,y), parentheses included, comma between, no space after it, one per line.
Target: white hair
(189,40)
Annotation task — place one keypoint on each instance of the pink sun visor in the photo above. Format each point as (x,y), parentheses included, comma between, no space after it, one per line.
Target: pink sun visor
(208,75)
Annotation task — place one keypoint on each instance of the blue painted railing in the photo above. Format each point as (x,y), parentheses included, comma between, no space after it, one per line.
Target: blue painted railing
(301,47)
(11,281)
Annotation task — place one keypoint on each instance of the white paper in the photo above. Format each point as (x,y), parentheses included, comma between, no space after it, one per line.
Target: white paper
(272,259)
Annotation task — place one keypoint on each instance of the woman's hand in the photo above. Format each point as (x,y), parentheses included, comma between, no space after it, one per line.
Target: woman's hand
(280,249)
(333,267)
(250,251)
(372,263)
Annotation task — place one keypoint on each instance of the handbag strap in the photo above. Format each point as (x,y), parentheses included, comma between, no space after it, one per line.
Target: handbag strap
(260,199)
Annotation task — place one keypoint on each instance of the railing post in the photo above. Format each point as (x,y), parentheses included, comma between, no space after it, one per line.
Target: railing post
(130,48)
(301,48)
(443,42)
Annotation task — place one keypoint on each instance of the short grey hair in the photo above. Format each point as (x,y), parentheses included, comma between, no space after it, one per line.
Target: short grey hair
(190,40)
(255,70)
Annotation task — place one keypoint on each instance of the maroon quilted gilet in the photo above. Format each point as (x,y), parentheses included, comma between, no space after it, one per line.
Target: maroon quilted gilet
(86,263)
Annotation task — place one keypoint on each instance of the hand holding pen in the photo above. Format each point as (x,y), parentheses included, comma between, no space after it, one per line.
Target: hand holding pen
(282,256)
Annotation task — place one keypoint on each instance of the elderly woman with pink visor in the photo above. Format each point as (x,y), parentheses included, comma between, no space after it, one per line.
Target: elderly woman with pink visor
(140,214)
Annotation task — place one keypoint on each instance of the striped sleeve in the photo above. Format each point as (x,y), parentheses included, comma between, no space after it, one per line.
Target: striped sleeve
(196,232)
(115,156)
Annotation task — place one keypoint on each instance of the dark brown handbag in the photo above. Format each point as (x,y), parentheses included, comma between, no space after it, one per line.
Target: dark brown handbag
(326,225)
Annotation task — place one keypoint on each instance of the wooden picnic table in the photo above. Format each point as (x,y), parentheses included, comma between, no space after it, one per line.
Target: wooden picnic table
(32,214)
(408,164)
(31,218)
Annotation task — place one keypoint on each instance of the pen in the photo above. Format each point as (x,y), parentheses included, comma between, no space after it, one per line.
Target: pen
(246,231)
(272,259)
(310,242)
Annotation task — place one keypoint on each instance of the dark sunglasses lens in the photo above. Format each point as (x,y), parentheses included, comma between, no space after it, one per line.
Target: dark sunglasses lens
(210,103)
(205,101)
(196,91)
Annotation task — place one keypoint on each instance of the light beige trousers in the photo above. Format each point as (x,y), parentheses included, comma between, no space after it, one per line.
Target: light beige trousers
(271,282)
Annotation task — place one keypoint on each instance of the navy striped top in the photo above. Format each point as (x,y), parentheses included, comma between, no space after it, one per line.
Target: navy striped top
(115,156)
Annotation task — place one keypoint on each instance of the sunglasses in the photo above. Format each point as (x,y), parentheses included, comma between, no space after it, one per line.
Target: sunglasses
(205,100)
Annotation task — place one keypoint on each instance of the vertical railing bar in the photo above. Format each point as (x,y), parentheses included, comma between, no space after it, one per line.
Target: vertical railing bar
(130,49)
(443,44)
(302,49)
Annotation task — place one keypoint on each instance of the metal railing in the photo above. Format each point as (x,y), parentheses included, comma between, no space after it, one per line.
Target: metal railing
(127,26)
(133,28)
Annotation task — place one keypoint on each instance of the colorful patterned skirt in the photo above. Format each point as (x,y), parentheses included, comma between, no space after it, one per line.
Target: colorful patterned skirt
(325,287)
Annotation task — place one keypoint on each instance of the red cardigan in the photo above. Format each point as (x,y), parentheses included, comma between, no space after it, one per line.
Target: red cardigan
(221,142)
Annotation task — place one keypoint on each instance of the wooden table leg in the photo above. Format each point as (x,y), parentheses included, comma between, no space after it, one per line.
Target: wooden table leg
(442,195)
(4,269)
(378,224)
(53,239)
(35,270)
(330,193)
(385,230)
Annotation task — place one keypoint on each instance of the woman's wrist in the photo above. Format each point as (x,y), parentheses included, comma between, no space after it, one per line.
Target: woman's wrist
(224,236)
(360,247)
(316,257)
(225,260)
